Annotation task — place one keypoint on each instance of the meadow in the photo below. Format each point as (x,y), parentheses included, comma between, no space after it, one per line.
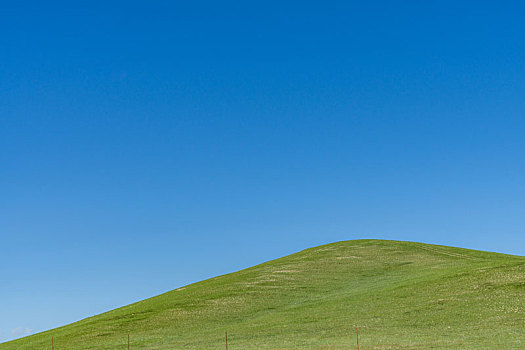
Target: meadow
(400,295)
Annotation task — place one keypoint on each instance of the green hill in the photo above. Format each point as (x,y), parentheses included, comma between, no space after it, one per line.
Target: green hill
(401,295)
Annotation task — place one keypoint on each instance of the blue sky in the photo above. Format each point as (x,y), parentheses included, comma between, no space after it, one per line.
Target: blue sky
(144,146)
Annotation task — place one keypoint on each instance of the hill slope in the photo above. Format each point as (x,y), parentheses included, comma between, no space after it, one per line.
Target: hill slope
(400,295)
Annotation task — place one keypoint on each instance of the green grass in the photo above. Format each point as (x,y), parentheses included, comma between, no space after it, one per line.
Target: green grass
(401,295)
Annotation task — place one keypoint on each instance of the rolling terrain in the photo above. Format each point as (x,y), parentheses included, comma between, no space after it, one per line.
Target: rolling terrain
(400,295)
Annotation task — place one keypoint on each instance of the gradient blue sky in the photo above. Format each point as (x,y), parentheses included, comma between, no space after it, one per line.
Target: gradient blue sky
(147,145)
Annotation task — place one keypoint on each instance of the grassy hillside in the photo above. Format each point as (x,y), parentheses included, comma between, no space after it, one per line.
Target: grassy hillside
(401,295)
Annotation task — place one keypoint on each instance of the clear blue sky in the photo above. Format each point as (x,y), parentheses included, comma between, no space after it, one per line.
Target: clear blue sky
(147,145)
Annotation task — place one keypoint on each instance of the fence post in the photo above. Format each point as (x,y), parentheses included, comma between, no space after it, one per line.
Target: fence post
(128,341)
(357,334)
(52,343)
(226,339)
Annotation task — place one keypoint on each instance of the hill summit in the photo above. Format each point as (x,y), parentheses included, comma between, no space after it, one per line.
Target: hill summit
(400,295)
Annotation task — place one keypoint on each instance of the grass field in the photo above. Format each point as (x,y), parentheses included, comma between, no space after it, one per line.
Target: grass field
(401,295)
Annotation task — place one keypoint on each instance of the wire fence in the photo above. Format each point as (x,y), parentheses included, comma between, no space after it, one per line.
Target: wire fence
(225,340)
